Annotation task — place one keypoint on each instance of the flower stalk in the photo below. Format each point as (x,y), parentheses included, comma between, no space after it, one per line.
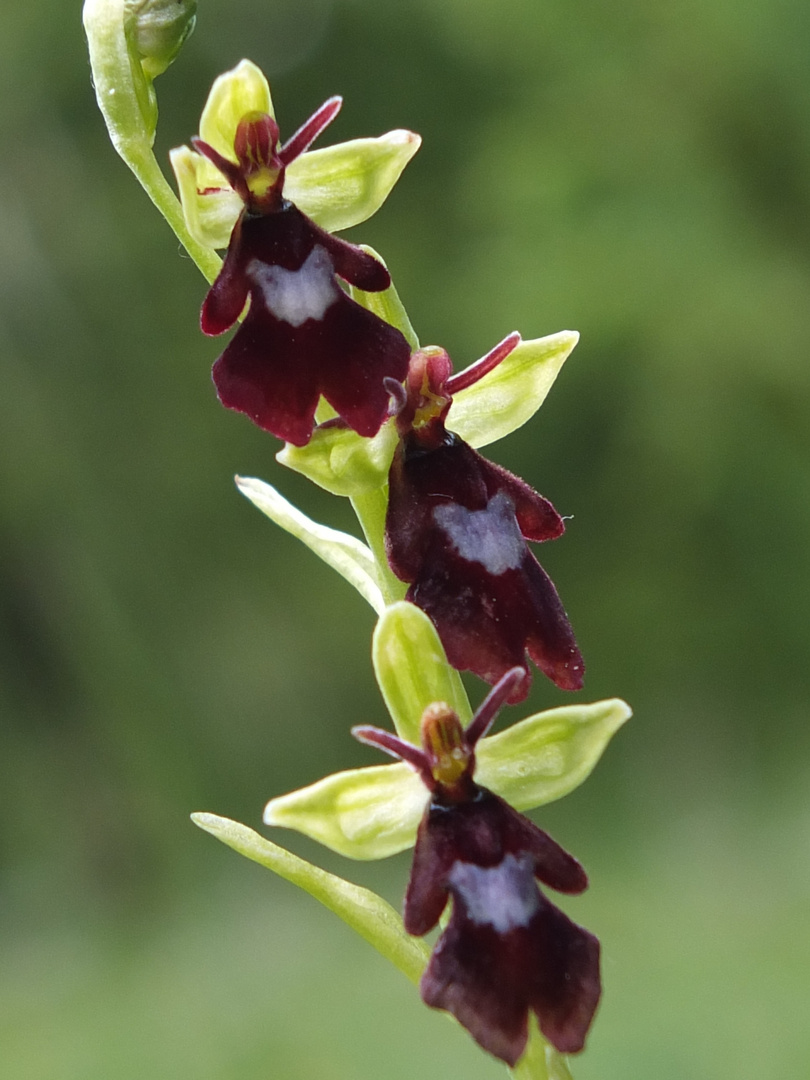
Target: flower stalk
(325,357)
(126,98)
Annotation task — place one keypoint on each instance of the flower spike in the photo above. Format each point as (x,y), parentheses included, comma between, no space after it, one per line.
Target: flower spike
(507,950)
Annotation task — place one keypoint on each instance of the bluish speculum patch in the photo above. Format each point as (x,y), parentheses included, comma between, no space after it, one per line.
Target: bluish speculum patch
(293,296)
(490,536)
(504,896)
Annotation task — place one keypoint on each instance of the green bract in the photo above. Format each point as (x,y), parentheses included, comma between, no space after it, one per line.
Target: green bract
(368,914)
(341,461)
(337,186)
(536,761)
(346,554)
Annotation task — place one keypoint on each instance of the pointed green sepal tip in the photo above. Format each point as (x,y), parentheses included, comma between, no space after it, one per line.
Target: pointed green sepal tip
(548,755)
(341,461)
(365,912)
(345,184)
(513,392)
(241,90)
(346,554)
(412,670)
(373,813)
(157,30)
(210,207)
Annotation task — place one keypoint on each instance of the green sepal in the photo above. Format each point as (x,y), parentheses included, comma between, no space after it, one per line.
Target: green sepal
(241,90)
(412,670)
(210,218)
(210,206)
(360,813)
(345,184)
(538,760)
(548,755)
(339,460)
(346,554)
(513,392)
(371,916)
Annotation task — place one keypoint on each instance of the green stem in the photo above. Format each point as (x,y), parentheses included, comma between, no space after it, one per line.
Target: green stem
(127,102)
(540,1061)
(370,509)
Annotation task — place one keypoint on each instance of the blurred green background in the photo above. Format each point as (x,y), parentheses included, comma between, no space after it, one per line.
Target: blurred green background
(638,172)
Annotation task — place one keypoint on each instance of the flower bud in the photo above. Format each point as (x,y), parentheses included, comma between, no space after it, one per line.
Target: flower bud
(157,30)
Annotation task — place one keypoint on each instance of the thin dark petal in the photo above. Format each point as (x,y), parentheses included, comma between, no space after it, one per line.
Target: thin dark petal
(488,710)
(310,130)
(396,747)
(482,367)
(229,169)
